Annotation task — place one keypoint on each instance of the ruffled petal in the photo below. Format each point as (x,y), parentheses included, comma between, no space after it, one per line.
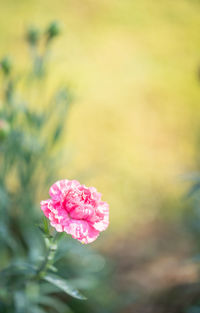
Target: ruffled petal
(81,231)
(58,189)
(45,206)
(82,212)
(77,210)
(102,213)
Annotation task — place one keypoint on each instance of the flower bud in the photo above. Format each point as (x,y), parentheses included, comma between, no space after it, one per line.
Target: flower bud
(53,30)
(33,35)
(6,65)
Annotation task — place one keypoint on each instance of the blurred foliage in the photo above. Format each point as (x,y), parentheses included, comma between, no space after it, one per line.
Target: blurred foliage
(31,278)
(134,65)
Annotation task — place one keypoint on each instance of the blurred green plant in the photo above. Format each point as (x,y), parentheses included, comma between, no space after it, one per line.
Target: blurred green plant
(191,221)
(39,52)
(28,159)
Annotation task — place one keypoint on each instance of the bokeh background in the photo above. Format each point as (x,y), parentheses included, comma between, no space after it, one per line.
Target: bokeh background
(133,130)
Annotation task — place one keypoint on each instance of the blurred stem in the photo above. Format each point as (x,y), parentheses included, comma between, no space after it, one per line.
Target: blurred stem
(49,257)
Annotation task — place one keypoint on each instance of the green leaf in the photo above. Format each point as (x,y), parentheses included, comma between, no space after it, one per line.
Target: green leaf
(64,285)
(46,288)
(46,226)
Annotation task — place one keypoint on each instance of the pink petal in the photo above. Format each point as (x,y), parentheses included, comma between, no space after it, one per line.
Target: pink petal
(77,210)
(57,189)
(81,230)
(45,207)
(82,212)
(103,213)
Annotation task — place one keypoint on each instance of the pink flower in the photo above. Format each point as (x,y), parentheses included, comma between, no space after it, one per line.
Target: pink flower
(77,210)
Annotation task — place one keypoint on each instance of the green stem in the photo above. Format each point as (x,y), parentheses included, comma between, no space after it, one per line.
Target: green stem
(49,258)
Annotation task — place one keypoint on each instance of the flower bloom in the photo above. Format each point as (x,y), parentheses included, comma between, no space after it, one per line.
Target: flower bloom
(76,209)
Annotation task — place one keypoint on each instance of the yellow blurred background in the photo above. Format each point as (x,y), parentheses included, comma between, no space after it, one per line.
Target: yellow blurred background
(133,67)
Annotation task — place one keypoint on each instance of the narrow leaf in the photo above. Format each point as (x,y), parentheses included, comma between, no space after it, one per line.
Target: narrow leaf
(64,285)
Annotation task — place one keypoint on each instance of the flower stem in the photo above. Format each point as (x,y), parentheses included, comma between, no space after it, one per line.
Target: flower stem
(49,257)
